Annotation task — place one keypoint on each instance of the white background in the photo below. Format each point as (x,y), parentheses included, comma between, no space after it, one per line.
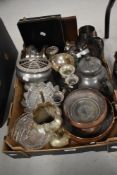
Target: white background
(88,12)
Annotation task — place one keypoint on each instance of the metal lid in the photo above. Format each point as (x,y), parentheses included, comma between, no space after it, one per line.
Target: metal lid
(89,65)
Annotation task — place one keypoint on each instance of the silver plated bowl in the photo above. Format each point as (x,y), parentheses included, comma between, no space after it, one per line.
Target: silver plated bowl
(66,70)
(33,69)
(60,59)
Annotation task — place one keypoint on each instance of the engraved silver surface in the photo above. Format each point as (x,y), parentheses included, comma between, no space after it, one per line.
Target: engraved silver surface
(33,66)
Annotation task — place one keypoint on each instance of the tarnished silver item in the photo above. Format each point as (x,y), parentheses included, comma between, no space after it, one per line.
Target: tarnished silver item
(45,111)
(59,140)
(52,50)
(91,71)
(72,80)
(34,67)
(69,45)
(58,97)
(60,59)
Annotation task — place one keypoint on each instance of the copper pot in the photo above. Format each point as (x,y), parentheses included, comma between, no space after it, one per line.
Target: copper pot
(101,133)
(91,140)
(90,130)
(85,109)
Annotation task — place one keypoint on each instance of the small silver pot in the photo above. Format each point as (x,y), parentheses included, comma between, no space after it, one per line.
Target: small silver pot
(72,80)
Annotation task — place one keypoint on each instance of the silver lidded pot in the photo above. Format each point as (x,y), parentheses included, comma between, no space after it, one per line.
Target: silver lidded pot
(33,67)
(91,71)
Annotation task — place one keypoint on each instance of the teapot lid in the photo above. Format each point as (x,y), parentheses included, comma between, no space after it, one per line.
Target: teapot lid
(89,65)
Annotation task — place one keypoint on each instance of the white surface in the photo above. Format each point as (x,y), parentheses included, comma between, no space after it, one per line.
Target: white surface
(87,12)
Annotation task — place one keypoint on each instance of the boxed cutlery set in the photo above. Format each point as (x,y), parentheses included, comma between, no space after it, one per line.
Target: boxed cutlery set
(62,99)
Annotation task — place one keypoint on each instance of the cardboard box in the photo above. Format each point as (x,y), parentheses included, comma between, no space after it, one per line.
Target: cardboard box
(67,31)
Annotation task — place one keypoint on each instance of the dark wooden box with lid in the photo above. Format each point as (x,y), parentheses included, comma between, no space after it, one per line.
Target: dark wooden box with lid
(48,30)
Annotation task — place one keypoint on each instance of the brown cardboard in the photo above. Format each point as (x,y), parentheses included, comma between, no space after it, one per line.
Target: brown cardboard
(15,150)
(16,110)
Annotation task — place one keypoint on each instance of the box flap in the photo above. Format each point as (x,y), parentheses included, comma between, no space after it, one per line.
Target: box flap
(40,31)
(70,28)
(8,56)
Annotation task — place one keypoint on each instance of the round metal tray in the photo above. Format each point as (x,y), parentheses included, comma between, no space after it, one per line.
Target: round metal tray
(102,132)
(85,108)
